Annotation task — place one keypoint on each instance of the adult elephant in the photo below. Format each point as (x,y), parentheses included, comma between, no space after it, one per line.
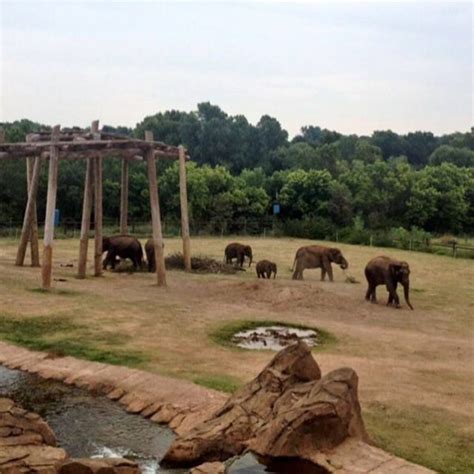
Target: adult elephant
(239,252)
(123,246)
(389,272)
(150,254)
(317,256)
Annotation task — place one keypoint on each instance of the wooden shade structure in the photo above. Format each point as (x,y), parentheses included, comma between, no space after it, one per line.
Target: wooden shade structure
(93,147)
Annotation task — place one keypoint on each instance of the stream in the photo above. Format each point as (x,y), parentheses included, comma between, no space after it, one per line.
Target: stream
(88,425)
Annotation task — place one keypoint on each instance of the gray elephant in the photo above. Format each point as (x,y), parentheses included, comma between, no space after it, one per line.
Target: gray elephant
(265,268)
(123,246)
(317,256)
(389,272)
(239,252)
(150,254)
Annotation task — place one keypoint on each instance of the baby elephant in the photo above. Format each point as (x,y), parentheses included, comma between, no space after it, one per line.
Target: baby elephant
(265,268)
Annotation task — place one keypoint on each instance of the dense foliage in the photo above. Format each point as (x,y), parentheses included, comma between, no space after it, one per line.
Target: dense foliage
(325,182)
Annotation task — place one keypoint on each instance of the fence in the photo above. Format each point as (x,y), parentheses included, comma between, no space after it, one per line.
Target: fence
(245,227)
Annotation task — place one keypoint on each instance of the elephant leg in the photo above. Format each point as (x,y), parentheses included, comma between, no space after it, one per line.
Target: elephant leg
(113,260)
(326,266)
(108,259)
(368,294)
(298,273)
(373,297)
(393,297)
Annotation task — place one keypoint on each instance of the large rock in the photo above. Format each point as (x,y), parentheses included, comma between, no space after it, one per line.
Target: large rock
(287,410)
(98,466)
(27,444)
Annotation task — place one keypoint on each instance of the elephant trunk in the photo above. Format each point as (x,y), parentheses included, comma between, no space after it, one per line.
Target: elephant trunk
(344,264)
(250,262)
(406,288)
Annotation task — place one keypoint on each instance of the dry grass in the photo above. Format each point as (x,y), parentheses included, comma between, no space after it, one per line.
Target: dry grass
(405,359)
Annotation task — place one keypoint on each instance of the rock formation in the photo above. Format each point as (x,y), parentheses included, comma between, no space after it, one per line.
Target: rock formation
(27,444)
(288,410)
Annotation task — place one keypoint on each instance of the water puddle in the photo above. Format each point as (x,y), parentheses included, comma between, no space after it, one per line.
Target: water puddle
(274,337)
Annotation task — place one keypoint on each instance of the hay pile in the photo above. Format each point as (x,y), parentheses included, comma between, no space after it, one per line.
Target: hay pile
(199,264)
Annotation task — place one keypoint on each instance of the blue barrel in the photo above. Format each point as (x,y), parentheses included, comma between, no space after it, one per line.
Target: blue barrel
(57,217)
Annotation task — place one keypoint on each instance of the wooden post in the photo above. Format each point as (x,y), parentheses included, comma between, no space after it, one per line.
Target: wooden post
(86,218)
(124,198)
(34,244)
(97,205)
(183,197)
(29,212)
(155,214)
(50,207)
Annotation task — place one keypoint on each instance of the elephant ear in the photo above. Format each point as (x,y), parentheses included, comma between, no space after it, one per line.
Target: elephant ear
(395,269)
(335,253)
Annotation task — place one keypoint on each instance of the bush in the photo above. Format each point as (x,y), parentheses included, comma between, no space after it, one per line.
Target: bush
(313,228)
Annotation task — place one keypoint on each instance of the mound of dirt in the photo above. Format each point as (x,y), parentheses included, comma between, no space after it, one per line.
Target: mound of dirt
(280,297)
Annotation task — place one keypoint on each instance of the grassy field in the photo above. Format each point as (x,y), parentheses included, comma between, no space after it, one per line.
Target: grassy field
(415,367)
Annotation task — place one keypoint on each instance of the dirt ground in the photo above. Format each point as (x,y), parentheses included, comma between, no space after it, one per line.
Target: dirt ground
(415,367)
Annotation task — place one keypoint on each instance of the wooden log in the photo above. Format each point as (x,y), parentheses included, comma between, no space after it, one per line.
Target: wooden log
(47,266)
(34,243)
(183,197)
(86,218)
(97,208)
(155,215)
(29,214)
(124,198)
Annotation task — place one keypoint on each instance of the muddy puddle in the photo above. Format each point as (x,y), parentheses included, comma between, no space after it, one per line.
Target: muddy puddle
(274,337)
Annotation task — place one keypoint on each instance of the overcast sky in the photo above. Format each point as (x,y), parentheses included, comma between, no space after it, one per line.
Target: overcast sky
(350,67)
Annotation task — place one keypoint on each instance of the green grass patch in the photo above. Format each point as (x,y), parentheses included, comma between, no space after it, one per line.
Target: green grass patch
(223,334)
(61,337)
(426,436)
(222,383)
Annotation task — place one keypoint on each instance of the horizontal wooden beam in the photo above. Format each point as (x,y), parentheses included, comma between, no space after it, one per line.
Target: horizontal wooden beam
(128,153)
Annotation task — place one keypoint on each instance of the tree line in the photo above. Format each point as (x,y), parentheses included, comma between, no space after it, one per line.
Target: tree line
(325,182)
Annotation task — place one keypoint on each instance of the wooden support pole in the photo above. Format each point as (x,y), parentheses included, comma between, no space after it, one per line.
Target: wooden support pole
(124,198)
(183,197)
(155,214)
(86,218)
(97,205)
(50,208)
(34,244)
(29,213)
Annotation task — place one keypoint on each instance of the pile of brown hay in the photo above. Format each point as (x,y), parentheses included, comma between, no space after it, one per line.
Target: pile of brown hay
(199,264)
